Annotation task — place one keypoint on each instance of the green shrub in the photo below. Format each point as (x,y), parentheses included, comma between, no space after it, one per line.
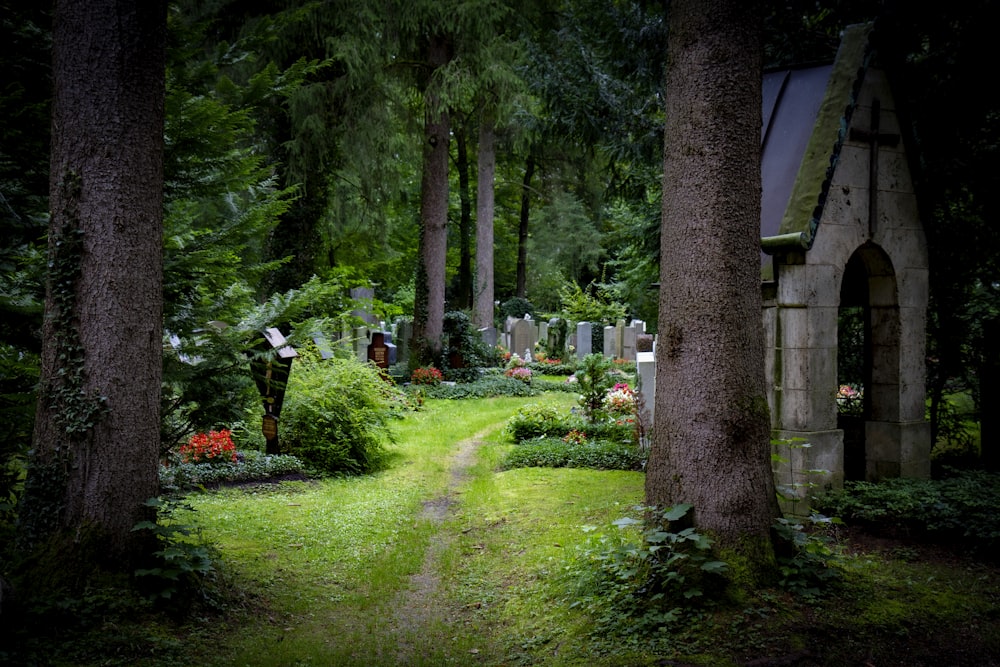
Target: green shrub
(464,352)
(961,508)
(640,585)
(336,415)
(594,380)
(254,466)
(808,557)
(535,420)
(486,386)
(555,453)
(516,307)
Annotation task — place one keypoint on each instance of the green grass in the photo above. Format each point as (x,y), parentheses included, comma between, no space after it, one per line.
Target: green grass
(330,567)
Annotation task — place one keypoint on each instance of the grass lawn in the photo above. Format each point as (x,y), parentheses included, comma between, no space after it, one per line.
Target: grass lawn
(444,560)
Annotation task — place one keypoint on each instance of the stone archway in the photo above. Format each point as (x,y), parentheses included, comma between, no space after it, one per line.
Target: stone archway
(869,312)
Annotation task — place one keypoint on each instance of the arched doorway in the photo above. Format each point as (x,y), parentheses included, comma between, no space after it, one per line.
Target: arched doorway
(868,356)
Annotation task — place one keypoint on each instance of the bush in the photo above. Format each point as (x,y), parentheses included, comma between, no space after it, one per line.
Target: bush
(516,307)
(639,585)
(485,387)
(961,508)
(535,420)
(426,376)
(464,352)
(557,453)
(336,415)
(254,467)
(594,380)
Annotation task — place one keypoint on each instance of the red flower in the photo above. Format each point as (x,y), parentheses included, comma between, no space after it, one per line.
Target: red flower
(207,447)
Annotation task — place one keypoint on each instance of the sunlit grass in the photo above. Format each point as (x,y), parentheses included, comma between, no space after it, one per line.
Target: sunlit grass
(332,556)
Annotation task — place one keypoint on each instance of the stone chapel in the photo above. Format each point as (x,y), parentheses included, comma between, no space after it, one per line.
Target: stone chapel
(842,241)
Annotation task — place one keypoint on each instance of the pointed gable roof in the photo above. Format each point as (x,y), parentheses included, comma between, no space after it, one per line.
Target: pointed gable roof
(806,115)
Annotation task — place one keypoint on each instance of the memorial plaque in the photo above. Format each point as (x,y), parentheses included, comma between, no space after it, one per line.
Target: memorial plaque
(378,351)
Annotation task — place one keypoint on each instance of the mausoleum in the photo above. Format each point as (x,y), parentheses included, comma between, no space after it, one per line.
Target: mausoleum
(844,264)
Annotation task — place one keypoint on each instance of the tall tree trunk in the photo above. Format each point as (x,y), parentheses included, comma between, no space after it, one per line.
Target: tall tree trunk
(428,315)
(464,297)
(483,298)
(96,438)
(711,446)
(522,230)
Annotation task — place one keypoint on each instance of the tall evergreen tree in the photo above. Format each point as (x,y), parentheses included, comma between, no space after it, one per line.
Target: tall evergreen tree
(97,428)
(712,448)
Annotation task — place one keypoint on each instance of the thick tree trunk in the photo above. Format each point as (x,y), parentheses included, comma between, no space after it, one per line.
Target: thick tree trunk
(428,316)
(96,438)
(483,298)
(711,445)
(522,232)
(464,296)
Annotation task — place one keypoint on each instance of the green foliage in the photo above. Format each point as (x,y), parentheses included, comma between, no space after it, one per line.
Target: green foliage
(960,509)
(18,376)
(463,351)
(808,558)
(486,386)
(516,307)
(597,304)
(537,420)
(957,442)
(549,452)
(594,379)
(546,368)
(565,246)
(647,583)
(336,415)
(253,466)
(181,564)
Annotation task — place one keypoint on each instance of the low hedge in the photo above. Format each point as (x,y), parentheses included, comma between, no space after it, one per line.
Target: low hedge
(554,453)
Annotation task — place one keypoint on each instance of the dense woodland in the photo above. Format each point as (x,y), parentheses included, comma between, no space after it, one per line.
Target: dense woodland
(493,157)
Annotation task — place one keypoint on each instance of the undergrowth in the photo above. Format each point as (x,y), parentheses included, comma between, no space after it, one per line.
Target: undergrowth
(961,508)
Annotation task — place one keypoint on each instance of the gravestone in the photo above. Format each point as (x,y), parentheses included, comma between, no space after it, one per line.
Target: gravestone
(645,368)
(609,341)
(402,339)
(523,336)
(584,338)
(489,336)
(361,339)
(364,295)
(628,342)
(323,345)
(378,350)
(270,374)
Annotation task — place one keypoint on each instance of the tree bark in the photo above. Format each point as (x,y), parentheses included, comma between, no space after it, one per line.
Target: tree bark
(96,437)
(522,232)
(485,198)
(465,294)
(428,316)
(711,444)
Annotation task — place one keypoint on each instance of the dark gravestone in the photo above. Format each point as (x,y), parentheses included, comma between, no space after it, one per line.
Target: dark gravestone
(378,350)
(270,373)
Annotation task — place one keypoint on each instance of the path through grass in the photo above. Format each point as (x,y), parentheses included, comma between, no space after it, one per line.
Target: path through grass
(435,561)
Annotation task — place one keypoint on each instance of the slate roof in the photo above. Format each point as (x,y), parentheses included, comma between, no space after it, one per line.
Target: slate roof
(807,112)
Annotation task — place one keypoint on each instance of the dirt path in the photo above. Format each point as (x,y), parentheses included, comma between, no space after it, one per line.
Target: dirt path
(422,603)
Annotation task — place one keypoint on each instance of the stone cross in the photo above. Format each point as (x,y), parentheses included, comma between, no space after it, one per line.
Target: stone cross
(874,140)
